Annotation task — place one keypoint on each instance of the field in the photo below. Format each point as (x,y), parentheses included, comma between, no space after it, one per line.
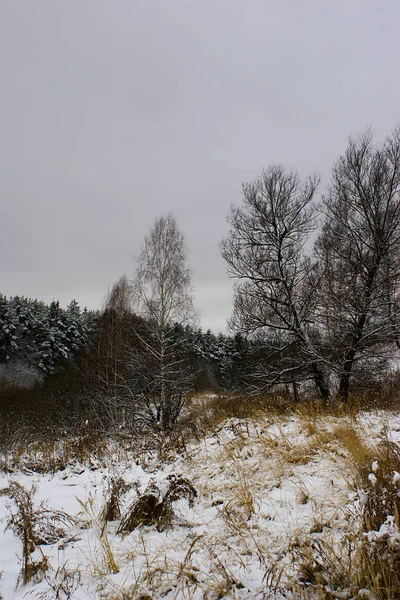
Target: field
(301,503)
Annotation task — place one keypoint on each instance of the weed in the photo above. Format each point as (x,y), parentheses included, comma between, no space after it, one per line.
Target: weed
(34,526)
(303,495)
(63,584)
(380,480)
(154,507)
(116,487)
(319,565)
(35,570)
(371,565)
(379,564)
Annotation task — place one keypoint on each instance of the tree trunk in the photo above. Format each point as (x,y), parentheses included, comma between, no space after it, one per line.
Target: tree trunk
(350,354)
(344,384)
(320,382)
(343,393)
(164,400)
(296,396)
(166,416)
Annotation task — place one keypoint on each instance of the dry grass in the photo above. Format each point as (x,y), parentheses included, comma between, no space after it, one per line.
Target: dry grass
(351,440)
(383,493)
(155,508)
(262,447)
(243,496)
(206,413)
(109,562)
(35,526)
(303,495)
(323,567)
(62,584)
(280,446)
(115,488)
(369,558)
(50,455)
(328,568)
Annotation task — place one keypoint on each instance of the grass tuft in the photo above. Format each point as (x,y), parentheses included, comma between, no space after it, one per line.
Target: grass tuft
(155,508)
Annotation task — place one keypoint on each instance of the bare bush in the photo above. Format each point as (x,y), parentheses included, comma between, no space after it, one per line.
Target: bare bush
(35,526)
(155,508)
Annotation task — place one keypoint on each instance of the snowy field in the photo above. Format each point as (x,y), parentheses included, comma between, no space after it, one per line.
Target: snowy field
(268,490)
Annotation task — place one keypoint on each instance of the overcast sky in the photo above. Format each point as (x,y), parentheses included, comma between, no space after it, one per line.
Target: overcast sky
(114,112)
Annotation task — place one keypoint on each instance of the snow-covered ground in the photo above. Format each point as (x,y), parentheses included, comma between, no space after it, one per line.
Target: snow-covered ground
(267,488)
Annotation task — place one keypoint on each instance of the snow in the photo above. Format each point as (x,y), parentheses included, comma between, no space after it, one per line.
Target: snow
(388,530)
(264,488)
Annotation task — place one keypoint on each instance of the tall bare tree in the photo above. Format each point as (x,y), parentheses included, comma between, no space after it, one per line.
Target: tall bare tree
(275,281)
(359,251)
(162,291)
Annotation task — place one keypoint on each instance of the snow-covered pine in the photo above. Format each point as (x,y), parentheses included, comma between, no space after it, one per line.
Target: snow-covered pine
(38,336)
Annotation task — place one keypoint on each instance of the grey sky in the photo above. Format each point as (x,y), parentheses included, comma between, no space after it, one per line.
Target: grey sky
(115,112)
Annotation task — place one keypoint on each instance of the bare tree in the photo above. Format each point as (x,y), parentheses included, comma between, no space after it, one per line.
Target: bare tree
(162,292)
(359,250)
(113,344)
(275,282)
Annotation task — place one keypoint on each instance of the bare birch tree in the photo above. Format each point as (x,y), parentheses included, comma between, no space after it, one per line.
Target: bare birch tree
(162,291)
(359,249)
(275,282)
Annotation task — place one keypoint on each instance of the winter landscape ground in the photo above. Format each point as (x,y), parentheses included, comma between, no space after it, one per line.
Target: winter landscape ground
(267,504)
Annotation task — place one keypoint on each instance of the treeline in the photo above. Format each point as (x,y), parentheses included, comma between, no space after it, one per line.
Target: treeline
(62,367)
(35,337)
(316,306)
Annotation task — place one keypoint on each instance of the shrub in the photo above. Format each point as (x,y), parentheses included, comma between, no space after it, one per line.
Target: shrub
(34,526)
(155,508)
